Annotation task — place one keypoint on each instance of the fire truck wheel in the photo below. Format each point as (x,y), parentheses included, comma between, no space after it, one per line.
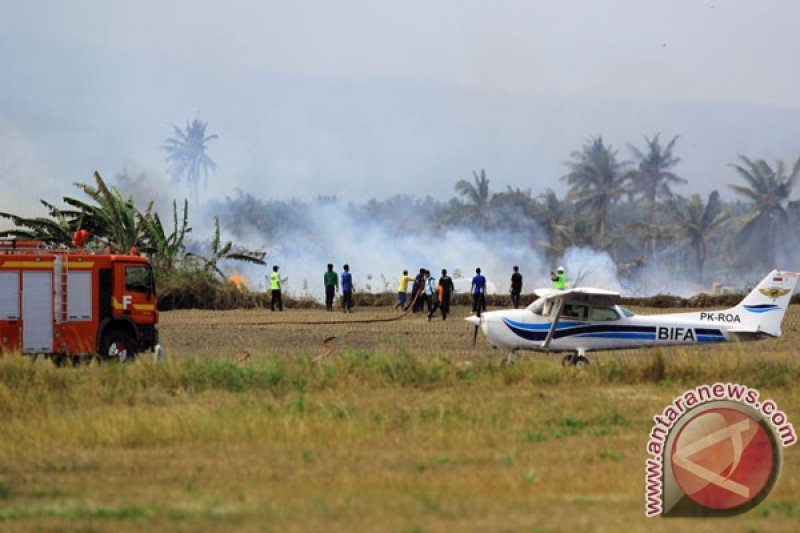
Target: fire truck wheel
(58,360)
(118,346)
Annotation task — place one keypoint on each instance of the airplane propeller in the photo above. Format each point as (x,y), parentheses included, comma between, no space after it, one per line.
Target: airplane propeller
(476,320)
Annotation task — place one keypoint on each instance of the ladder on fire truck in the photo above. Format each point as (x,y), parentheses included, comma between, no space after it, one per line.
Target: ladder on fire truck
(60,288)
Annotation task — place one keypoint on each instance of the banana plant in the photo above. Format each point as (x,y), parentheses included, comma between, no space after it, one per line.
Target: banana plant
(227,251)
(165,250)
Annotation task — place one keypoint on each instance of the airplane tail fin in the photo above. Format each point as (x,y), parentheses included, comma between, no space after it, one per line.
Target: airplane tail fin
(763,309)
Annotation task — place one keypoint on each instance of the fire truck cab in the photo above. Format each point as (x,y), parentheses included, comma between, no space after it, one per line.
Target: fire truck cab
(72,304)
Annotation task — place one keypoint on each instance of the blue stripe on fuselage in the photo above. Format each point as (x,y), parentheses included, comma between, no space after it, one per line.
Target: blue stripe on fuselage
(542,326)
(710,338)
(615,335)
(538,332)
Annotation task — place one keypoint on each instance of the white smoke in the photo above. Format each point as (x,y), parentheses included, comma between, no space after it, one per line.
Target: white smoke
(585,267)
(377,255)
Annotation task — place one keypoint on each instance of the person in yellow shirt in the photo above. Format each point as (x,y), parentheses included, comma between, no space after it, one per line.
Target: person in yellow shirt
(402,290)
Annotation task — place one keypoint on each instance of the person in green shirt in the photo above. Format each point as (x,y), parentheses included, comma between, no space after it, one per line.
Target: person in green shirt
(559,279)
(275,285)
(331,280)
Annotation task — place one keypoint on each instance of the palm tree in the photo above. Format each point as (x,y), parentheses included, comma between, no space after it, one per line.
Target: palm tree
(227,251)
(765,227)
(477,205)
(653,174)
(597,181)
(186,154)
(696,222)
(651,178)
(555,217)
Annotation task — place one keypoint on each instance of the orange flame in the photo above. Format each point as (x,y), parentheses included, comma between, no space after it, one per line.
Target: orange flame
(240,281)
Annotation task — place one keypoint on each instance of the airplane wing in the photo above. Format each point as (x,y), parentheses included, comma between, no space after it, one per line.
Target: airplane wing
(586,294)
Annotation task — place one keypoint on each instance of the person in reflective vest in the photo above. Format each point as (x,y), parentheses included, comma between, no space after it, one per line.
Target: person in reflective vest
(559,279)
(275,285)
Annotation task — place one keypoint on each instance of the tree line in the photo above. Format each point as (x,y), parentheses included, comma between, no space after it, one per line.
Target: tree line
(629,207)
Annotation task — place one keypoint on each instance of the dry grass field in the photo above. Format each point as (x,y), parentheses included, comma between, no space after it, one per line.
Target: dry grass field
(405,427)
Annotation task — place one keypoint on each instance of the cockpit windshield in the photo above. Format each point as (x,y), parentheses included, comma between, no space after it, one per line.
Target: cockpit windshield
(541,307)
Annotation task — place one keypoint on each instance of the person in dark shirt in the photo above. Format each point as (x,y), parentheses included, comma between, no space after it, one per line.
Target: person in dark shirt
(347,290)
(478,292)
(444,290)
(516,287)
(418,292)
(331,280)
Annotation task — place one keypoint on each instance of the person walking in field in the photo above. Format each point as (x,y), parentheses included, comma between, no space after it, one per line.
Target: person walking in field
(478,292)
(347,290)
(418,292)
(516,287)
(447,289)
(331,280)
(275,285)
(402,290)
(430,290)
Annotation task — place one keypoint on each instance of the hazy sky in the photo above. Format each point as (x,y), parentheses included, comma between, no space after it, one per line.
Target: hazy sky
(363,98)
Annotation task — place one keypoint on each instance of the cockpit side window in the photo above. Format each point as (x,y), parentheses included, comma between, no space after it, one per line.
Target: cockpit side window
(604,314)
(627,312)
(576,311)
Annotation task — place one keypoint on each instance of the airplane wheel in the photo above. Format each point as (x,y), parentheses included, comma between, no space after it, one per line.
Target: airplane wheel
(580,361)
(567,361)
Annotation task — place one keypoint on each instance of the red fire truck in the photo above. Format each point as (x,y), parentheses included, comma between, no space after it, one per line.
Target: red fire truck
(73,305)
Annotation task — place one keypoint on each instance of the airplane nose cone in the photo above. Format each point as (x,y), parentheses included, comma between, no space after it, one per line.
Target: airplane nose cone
(474,320)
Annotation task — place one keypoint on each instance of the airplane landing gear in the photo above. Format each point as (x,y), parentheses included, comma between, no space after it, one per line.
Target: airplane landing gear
(578,360)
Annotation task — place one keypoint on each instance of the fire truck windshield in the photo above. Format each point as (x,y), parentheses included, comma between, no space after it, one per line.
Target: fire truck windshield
(137,279)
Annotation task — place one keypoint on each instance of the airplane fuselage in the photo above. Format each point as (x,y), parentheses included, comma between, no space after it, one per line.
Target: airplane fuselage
(586,319)
(524,330)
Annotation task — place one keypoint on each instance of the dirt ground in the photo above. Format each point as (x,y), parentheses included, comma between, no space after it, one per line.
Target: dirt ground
(300,332)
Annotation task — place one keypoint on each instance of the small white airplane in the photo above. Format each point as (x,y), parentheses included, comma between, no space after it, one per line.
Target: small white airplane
(581,320)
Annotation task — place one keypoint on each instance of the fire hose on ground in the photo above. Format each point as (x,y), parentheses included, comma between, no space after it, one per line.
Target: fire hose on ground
(244,355)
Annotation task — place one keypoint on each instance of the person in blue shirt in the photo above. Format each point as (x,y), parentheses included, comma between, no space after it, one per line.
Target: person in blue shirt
(478,292)
(347,290)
